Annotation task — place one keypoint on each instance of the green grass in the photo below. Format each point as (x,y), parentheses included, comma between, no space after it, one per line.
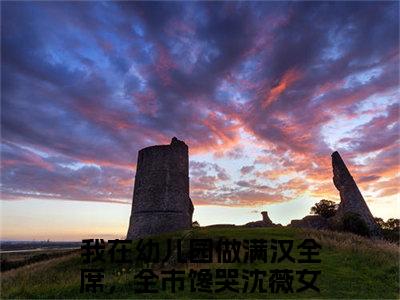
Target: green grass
(351,267)
(13,260)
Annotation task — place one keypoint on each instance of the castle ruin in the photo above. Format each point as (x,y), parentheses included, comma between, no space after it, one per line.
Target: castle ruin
(351,200)
(161,201)
(265,222)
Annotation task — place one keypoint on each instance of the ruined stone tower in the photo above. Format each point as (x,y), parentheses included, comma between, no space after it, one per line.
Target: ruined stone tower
(265,217)
(161,200)
(351,199)
(266,221)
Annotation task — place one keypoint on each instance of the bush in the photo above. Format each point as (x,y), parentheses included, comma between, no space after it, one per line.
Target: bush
(352,222)
(391,235)
(390,229)
(392,224)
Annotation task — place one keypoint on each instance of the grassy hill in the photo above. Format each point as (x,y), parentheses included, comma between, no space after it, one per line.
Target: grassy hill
(351,267)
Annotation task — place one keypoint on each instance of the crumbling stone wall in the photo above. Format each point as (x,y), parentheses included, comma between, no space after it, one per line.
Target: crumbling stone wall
(315,222)
(161,201)
(265,222)
(351,200)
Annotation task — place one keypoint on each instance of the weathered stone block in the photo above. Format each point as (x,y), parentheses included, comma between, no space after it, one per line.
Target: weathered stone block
(315,222)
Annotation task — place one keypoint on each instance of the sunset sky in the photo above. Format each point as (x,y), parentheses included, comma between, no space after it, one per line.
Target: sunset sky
(261,92)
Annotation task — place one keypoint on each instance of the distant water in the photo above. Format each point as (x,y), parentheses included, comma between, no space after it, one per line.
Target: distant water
(37,250)
(27,246)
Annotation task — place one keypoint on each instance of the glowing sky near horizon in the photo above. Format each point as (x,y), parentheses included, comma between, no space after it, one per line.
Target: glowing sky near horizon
(262,92)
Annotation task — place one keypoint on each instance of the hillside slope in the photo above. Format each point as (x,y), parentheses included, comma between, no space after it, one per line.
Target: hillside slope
(351,267)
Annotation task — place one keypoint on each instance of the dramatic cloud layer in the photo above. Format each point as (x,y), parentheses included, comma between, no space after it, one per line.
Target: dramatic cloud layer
(262,92)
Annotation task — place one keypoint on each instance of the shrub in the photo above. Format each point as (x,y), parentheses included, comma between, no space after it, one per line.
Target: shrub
(353,222)
(392,224)
(390,229)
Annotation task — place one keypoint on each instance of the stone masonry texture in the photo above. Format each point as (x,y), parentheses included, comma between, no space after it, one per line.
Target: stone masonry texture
(161,201)
(351,199)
